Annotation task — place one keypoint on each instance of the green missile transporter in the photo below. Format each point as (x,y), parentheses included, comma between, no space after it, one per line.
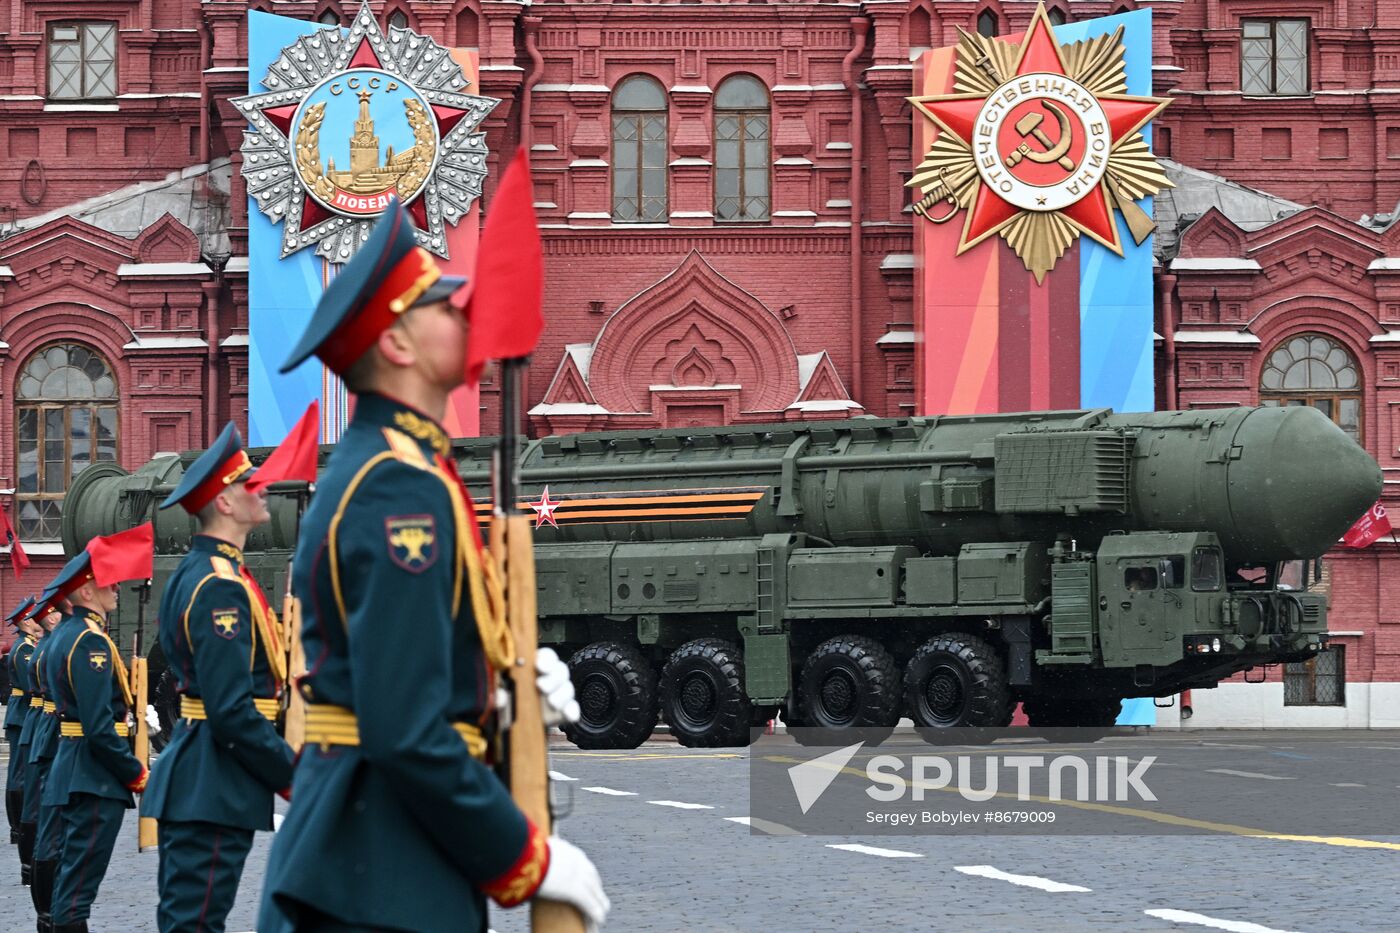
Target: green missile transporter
(850,573)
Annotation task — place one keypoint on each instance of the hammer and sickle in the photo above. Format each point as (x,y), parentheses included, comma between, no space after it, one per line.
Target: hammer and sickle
(1029,127)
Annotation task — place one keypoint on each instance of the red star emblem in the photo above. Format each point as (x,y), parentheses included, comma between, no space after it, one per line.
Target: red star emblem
(544,510)
(1027,121)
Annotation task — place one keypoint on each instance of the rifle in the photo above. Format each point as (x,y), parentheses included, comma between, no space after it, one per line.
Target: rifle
(514,543)
(147,827)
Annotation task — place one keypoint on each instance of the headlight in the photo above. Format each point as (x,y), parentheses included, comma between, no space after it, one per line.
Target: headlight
(1215,644)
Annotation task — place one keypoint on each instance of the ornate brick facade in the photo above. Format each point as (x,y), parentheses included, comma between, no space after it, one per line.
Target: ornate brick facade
(698,319)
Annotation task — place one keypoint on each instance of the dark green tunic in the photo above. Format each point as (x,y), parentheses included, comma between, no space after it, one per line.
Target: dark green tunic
(405,831)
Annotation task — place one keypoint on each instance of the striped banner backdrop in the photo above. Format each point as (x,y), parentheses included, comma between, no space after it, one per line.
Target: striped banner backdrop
(282,293)
(993,340)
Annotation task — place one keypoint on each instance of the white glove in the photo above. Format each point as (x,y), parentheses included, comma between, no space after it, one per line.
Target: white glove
(152,719)
(557,703)
(571,878)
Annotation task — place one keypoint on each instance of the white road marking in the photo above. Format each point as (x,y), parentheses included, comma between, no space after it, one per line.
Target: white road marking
(1025,881)
(681,805)
(871,850)
(1234,926)
(765,826)
(610,792)
(1249,774)
(1348,785)
(277,820)
(556,776)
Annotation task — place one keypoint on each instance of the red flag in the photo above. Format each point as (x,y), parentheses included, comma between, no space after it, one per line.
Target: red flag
(1369,528)
(504,306)
(126,555)
(18,559)
(295,457)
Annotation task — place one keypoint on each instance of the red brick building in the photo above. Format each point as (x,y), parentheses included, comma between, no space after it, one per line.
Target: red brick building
(727,236)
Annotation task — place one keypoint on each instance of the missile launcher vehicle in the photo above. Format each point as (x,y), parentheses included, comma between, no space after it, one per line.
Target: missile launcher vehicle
(852,573)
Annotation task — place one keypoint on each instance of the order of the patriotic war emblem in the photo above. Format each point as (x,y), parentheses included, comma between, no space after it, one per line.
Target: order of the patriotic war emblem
(1038,144)
(352,117)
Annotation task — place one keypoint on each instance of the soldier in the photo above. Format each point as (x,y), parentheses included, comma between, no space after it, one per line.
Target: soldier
(397,821)
(36,748)
(18,663)
(94,773)
(213,785)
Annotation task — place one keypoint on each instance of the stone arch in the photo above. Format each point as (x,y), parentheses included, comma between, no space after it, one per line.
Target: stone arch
(697,323)
(1212,236)
(68,321)
(1338,320)
(167,240)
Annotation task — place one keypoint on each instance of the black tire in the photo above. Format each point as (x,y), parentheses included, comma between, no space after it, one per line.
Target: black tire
(956,681)
(849,690)
(702,695)
(616,694)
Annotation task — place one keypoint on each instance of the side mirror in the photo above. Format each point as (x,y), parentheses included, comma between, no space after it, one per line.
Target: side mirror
(1166,573)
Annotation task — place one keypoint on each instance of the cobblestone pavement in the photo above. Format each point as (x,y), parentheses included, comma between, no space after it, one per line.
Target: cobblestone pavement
(666,826)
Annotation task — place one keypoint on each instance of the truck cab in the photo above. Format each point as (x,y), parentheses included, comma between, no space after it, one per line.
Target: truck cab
(1166,598)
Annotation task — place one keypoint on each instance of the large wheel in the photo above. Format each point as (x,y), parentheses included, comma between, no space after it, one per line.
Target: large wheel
(616,694)
(848,682)
(702,694)
(956,681)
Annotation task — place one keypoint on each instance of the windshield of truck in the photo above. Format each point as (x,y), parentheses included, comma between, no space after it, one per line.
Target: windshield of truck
(1140,578)
(1250,577)
(1293,575)
(1178,577)
(1205,570)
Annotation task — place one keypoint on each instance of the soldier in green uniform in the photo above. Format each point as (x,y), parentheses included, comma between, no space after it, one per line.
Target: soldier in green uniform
(397,821)
(213,785)
(18,706)
(94,773)
(35,742)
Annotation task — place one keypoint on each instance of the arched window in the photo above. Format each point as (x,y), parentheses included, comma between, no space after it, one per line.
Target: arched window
(741,149)
(398,18)
(328,17)
(639,151)
(1057,16)
(1310,369)
(65,420)
(987,24)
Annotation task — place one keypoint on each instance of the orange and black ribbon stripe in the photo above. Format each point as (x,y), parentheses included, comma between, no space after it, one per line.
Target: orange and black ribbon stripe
(651,505)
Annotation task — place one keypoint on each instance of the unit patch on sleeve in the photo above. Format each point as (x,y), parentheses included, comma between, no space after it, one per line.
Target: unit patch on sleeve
(97,660)
(226,623)
(412,541)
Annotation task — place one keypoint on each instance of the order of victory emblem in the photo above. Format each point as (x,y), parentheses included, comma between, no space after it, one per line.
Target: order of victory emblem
(1039,144)
(352,118)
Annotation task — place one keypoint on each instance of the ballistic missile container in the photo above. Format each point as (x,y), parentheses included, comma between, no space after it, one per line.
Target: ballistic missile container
(853,572)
